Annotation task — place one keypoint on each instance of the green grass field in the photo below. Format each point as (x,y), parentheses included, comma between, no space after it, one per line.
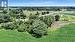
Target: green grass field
(64,34)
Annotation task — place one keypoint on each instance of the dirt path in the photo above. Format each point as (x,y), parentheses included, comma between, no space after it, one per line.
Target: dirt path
(59,24)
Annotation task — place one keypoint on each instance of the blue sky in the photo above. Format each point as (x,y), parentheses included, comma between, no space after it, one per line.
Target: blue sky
(41,2)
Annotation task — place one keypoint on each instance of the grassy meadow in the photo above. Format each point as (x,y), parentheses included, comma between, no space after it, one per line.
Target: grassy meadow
(63,34)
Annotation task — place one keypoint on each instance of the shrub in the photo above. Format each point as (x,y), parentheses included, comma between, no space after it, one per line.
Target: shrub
(43,13)
(28,25)
(18,22)
(65,19)
(37,13)
(33,16)
(5,18)
(21,28)
(5,11)
(24,26)
(38,28)
(47,12)
(22,16)
(57,17)
(17,13)
(47,19)
(10,26)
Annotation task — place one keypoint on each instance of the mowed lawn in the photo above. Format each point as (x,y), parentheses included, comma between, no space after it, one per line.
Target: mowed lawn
(64,34)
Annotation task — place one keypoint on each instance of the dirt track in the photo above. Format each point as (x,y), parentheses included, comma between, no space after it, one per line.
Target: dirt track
(59,24)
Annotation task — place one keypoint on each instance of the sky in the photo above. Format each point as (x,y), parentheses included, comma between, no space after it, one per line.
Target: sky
(41,2)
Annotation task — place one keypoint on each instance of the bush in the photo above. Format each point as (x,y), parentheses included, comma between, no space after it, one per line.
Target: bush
(5,18)
(5,11)
(18,22)
(21,28)
(24,25)
(43,13)
(47,19)
(38,28)
(47,12)
(10,26)
(57,17)
(17,13)
(65,19)
(37,13)
(33,16)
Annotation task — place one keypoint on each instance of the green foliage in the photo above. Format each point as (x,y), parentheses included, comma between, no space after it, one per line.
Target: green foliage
(64,34)
(37,13)
(38,28)
(57,17)
(22,16)
(19,25)
(35,27)
(13,13)
(5,18)
(24,26)
(67,18)
(33,16)
(43,13)
(21,28)
(5,11)
(10,26)
(17,13)
(47,19)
